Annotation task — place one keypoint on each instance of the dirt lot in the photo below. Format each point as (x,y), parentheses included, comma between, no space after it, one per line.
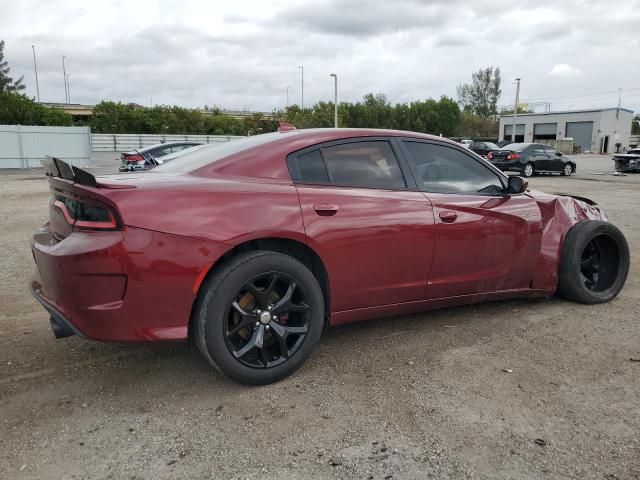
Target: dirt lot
(422,396)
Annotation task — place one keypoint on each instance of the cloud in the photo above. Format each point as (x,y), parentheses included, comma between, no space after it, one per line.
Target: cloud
(244,54)
(562,70)
(362,18)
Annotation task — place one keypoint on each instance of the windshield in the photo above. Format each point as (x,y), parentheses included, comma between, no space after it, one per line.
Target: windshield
(214,152)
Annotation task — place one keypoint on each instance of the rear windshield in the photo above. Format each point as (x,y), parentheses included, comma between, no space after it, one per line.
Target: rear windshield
(492,146)
(517,147)
(214,152)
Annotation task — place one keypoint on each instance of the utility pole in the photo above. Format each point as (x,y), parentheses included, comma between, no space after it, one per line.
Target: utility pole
(335,99)
(64,73)
(35,68)
(515,112)
(301,67)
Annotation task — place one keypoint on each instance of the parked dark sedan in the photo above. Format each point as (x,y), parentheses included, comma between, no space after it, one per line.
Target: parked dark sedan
(144,158)
(531,158)
(627,162)
(483,148)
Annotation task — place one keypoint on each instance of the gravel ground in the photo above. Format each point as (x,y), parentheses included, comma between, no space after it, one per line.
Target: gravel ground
(520,389)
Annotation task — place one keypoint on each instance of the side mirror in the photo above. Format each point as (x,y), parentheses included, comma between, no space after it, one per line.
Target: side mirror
(517,185)
(558,154)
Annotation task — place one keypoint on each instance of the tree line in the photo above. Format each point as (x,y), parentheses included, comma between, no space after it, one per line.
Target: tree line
(473,115)
(442,116)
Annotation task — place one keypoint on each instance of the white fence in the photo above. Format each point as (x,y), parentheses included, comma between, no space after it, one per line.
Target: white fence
(104,142)
(26,146)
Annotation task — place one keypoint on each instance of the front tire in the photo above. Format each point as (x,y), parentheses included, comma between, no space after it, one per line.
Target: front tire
(594,264)
(567,170)
(527,170)
(259,317)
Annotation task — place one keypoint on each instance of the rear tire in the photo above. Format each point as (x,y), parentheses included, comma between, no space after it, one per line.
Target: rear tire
(528,170)
(594,264)
(234,327)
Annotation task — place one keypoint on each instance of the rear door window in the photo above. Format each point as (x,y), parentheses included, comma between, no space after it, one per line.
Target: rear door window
(311,168)
(370,164)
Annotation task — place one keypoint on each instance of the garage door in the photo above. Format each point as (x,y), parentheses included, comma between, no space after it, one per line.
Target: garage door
(544,131)
(581,132)
(519,132)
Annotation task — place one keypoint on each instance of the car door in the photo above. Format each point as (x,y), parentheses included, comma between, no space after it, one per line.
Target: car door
(486,240)
(538,156)
(555,162)
(374,234)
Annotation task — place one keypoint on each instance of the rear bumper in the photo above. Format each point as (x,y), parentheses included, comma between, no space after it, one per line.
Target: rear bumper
(508,166)
(129,285)
(60,324)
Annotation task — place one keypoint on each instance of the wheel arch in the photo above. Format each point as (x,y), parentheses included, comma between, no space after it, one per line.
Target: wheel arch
(287,246)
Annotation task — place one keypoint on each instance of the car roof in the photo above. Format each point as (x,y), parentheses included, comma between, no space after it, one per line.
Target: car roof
(261,156)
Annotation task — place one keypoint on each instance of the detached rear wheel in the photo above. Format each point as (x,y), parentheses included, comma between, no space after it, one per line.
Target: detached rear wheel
(594,264)
(259,317)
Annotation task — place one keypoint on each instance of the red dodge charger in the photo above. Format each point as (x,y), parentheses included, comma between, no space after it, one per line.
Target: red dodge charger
(251,248)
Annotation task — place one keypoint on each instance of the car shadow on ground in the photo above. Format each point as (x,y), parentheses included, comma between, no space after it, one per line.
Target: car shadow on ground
(356,346)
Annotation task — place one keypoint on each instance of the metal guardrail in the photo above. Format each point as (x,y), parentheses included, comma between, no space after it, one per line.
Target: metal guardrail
(122,142)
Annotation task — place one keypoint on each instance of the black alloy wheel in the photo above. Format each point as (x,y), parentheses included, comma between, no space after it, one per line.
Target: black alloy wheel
(594,263)
(258,316)
(599,264)
(268,320)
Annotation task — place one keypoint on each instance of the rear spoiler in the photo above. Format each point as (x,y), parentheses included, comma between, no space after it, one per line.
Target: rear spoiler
(54,167)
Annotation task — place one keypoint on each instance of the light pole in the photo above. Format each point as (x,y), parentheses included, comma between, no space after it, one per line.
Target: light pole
(288,95)
(301,67)
(68,88)
(35,68)
(515,112)
(335,99)
(64,73)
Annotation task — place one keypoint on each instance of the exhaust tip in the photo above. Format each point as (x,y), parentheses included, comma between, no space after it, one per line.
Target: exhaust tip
(60,330)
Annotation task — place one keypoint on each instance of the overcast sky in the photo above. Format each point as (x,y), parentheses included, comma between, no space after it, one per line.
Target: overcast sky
(242,54)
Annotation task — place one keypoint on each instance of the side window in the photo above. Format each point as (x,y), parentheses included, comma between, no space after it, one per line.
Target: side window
(311,168)
(447,170)
(160,152)
(363,164)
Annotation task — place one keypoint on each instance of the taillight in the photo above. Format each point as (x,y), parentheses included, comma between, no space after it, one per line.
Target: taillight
(513,156)
(82,214)
(490,155)
(134,158)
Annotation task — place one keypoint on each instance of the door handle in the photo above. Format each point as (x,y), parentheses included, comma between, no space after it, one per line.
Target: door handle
(448,216)
(325,209)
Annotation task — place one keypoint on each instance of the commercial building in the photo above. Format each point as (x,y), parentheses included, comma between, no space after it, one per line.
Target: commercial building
(604,130)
